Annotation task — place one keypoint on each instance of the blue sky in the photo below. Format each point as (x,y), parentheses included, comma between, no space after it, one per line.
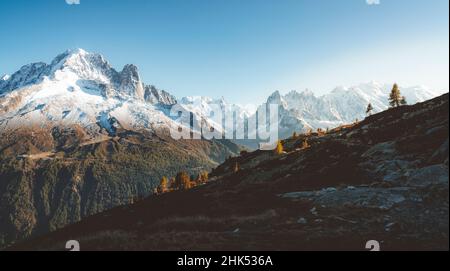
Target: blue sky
(240,49)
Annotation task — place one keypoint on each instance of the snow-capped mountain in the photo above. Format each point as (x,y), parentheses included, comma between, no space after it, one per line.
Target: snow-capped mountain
(300,111)
(82,88)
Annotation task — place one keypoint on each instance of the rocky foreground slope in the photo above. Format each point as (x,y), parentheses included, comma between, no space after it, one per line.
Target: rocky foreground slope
(385,178)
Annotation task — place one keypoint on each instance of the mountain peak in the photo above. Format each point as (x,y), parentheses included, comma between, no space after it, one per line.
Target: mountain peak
(339,89)
(130,82)
(74,52)
(79,59)
(78,51)
(276,98)
(307,92)
(61,58)
(131,70)
(82,69)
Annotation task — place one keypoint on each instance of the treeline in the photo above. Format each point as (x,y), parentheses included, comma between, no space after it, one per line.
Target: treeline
(182,181)
(395,100)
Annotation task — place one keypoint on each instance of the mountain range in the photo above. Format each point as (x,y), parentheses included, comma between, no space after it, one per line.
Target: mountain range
(82,88)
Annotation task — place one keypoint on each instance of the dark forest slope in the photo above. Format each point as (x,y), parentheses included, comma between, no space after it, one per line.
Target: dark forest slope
(49,179)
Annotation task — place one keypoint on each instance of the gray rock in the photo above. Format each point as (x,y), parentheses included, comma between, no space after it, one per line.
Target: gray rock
(390,227)
(314,211)
(329,189)
(381,149)
(441,154)
(393,176)
(391,200)
(436,130)
(436,174)
(357,197)
(299,195)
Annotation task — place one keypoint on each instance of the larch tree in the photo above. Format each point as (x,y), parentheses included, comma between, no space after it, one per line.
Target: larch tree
(279,149)
(182,181)
(202,177)
(395,98)
(163,185)
(305,144)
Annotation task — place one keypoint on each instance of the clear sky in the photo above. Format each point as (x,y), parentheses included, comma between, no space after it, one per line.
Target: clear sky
(240,49)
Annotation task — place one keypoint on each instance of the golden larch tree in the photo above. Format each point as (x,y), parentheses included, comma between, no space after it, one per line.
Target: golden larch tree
(279,149)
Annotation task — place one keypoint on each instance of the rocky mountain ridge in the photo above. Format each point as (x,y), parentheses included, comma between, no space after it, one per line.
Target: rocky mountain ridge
(82,88)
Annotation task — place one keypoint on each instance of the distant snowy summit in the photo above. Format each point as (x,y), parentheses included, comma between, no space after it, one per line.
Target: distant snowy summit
(82,88)
(305,110)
